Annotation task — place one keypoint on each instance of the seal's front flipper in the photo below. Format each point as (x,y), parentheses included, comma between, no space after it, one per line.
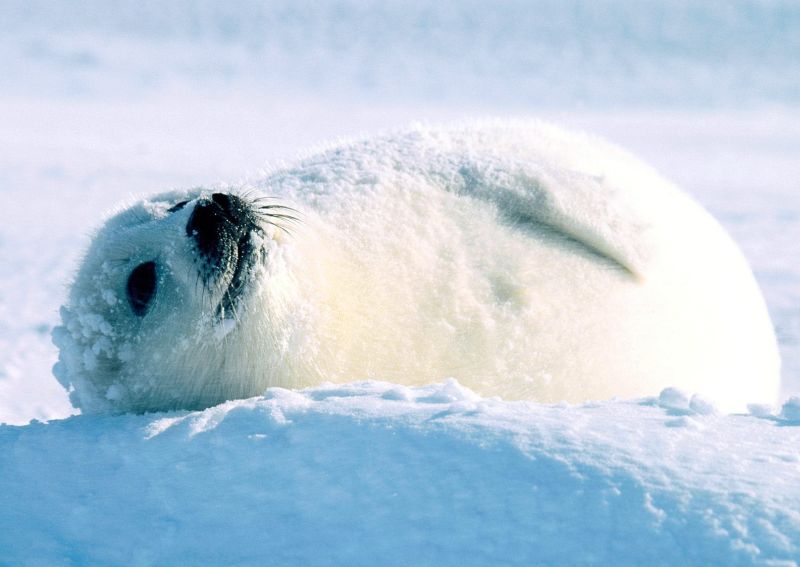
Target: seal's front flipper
(573,207)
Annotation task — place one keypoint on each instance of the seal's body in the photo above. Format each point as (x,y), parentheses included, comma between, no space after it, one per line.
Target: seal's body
(523,261)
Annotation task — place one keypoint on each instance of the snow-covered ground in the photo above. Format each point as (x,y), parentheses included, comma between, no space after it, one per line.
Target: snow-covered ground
(103,101)
(377,474)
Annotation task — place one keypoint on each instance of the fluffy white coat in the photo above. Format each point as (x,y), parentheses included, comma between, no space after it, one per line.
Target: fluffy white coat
(522,260)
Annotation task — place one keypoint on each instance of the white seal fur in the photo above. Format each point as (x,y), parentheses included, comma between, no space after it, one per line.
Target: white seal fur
(522,260)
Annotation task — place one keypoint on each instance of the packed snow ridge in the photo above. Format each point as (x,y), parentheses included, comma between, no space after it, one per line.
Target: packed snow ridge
(374,473)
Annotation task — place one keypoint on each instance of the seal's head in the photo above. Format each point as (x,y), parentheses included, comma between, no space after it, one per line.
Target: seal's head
(162,290)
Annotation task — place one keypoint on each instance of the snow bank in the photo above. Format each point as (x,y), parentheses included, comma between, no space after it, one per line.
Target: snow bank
(372,473)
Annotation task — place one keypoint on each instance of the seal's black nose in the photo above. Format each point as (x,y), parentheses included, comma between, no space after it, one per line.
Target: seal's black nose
(232,206)
(219,222)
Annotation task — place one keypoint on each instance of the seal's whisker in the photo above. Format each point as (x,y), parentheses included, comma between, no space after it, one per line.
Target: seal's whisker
(265,198)
(280,216)
(274,219)
(286,216)
(279,227)
(285,207)
(233,308)
(248,194)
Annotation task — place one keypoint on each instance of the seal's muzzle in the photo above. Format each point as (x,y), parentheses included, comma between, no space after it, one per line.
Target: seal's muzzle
(221,227)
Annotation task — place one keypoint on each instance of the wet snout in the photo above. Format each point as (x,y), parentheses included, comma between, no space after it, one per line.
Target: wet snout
(216,220)
(220,226)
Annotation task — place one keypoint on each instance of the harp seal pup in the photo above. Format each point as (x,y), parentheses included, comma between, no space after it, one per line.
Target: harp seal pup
(524,261)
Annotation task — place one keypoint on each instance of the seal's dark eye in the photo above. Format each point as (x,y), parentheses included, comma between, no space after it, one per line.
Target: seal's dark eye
(177,207)
(141,287)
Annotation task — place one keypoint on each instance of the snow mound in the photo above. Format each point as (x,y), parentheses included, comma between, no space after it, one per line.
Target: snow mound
(375,473)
